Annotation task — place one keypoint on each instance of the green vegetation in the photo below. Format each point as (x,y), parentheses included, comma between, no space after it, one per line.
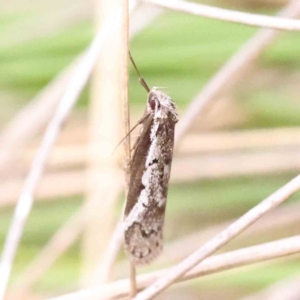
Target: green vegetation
(178,51)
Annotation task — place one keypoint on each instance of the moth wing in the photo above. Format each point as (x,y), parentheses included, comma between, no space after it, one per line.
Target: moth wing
(146,201)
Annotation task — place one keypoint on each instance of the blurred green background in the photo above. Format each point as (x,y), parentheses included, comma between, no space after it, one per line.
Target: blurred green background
(180,52)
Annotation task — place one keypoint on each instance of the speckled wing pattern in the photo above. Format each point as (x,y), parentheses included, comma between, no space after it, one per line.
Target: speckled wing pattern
(150,172)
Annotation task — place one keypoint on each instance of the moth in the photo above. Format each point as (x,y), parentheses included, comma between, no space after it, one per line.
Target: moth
(150,168)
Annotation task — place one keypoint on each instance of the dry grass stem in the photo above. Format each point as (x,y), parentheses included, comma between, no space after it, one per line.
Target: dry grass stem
(231,71)
(75,155)
(228,15)
(239,140)
(222,165)
(109,91)
(65,156)
(214,264)
(65,183)
(285,216)
(138,22)
(221,239)
(26,198)
(126,119)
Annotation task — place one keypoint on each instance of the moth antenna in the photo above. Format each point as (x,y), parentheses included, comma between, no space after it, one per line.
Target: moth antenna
(135,126)
(141,79)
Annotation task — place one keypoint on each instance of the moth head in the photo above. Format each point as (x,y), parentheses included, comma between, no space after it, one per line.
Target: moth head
(160,101)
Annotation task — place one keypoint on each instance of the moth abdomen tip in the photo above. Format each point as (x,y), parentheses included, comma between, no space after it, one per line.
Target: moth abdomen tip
(143,244)
(139,259)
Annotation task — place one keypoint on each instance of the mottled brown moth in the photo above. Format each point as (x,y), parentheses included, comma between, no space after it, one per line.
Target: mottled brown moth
(150,168)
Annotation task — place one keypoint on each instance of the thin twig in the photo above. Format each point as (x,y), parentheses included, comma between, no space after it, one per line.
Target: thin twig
(240,140)
(228,15)
(126,118)
(132,276)
(222,165)
(211,265)
(221,239)
(70,156)
(25,200)
(61,183)
(230,73)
